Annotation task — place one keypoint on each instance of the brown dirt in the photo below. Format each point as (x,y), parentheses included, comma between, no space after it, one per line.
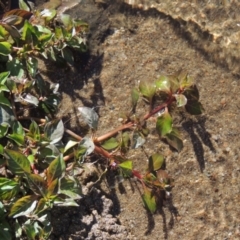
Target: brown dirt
(129,45)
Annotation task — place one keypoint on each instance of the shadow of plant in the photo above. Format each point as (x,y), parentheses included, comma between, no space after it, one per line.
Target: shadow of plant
(163,205)
(199,136)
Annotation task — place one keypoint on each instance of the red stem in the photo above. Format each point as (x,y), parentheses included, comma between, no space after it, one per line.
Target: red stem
(97,149)
(115,131)
(159,108)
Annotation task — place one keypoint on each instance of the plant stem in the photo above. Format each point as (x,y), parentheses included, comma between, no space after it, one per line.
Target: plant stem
(97,149)
(41,120)
(115,131)
(159,108)
(68,157)
(74,135)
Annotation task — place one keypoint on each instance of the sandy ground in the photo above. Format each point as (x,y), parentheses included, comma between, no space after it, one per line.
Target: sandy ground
(129,45)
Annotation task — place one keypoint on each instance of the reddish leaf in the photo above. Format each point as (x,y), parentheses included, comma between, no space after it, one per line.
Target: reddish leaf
(194,107)
(23,206)
(18,12)
(173,139)
(37,184)
(56,169)
(52,188)
(17,162)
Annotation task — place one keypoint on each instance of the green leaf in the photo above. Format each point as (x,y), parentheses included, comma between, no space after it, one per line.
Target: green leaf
(34,131)
(30,34)
(13,31)
(31,229)
(126,164)
(5,230)
(5,48)
(56,169)
(65,202)
(89,116)
(194,107)
(17,162)
(67,55)
(3,88)
(17,128)
(12,85)
(50,105)
(54,130)
(16,68)
(23,206)
(2,211)
(3,77)
(70,144)
(41,206)
(181,100)
(135,97)
(18,229)
(8,189)
(48,14)
(1,152)
(31,157)
(52,54)
(66,20)
(45,35)
(37,184)
(149,200)
(110,144)
(185,80)
(29,98)
(125,141)
(173,139)
(17,138)
(147,89)
(3,129)
(164,124)
(32,66)
(4,101)
(126,168)
(6,115)
(137,140)
(163,84)
(58,32)
(174,83)
(18,135)
(23,5)
(70,188)
(155,162)
(85,147)
(48,153)
(3,33)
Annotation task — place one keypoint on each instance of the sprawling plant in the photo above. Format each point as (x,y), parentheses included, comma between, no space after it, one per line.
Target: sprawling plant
(37,168)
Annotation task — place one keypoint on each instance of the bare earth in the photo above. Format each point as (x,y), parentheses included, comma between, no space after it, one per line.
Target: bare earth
(132,44)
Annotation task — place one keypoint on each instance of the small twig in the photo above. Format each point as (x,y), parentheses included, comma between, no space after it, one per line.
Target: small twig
(41,120)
